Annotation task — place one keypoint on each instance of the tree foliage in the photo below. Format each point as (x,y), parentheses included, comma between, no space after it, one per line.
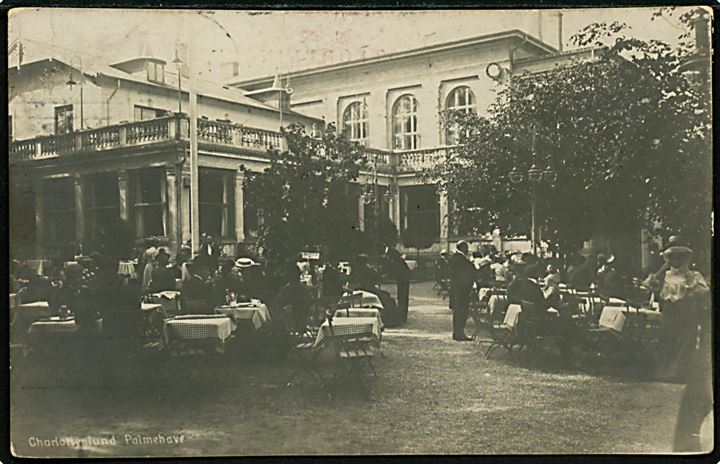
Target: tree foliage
(303,196)
(627,134)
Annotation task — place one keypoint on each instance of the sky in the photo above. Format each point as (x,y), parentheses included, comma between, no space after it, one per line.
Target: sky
(265,42)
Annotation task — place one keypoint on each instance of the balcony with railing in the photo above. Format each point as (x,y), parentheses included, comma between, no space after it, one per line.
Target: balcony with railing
(217,134)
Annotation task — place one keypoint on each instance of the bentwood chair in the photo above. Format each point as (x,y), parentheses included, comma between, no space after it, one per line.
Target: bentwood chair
(352,353)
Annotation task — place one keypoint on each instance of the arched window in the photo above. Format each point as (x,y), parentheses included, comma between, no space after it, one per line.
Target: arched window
(405,123)
(462,100)
(355,122)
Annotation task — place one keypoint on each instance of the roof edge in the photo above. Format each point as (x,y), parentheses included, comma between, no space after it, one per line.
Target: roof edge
(510,34)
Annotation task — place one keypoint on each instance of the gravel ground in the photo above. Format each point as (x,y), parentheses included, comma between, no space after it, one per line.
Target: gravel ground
(432,396)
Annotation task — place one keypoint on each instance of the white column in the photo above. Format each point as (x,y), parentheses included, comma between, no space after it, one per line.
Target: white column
(395,206)
(444,220)
(240,205)
(39,217)
(361,212)
(172,207)
(185,206)
(122,179)
(79,211)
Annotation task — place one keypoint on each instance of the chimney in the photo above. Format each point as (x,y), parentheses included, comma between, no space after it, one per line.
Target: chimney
(702,35)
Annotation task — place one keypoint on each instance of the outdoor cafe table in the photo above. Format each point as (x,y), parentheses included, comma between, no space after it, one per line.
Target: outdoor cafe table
(513,313)
(366,299)
(52,328)
(346,326)
(360,312)
(255,311)
(614,317)
(168,299)
(26,314)
(204,328)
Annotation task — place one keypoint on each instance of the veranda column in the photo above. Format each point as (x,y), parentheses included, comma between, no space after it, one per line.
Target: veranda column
(361,212)
(122,179)
(185,206)
(444,220)
(79,211)
(395,206)
(171,178)
(239,205)
(39,217)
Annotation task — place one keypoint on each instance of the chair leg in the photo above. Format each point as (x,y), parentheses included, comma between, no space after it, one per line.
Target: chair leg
(492,346)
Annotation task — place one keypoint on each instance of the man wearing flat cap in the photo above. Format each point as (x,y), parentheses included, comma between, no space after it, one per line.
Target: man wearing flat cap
(462,276)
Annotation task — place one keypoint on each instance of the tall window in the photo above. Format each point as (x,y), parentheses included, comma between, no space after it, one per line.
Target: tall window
(216,198)
(63,119)
(10,127)
(148,194)
(103,201)
(420,209)
(461,100)
(59,195)
(156,72)
(355,122)
(143,113)
(405,123)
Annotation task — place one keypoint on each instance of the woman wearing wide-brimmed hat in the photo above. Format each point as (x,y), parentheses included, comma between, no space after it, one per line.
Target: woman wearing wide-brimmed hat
(682,294)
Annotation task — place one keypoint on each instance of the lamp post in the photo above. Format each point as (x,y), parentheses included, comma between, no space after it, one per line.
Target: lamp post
(72,83)
(178,64)
(371,194)
(535,176)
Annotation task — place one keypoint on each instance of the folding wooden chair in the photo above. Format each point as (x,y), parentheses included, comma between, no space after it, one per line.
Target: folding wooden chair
(351,354)
(502,330)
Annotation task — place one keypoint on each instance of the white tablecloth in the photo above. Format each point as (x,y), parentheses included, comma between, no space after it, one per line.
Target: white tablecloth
(127,269)
(169,300)
(257,313)
(614,317)
(359,326)
(366,299)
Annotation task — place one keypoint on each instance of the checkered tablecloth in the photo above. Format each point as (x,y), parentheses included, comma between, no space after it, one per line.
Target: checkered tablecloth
(257,314)
(350,326)
(53,326)
(199,327)
(360,312)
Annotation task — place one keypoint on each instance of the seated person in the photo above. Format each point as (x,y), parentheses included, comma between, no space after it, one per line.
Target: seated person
(229,281)
(292,305)
(522,288)
(255,283)
(362,276)
(162,277)
(551,286)
(196,290)
(332,281)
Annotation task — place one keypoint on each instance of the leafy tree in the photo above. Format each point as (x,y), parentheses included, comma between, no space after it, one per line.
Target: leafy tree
(303,195)
(418,238)
(627,134)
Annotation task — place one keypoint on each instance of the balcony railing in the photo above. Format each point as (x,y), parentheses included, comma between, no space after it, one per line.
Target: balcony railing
(175,127)
(218,134)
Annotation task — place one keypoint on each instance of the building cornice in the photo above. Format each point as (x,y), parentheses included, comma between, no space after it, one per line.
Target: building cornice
(541,46)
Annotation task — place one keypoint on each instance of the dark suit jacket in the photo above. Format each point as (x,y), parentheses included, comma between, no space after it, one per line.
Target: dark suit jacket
(397,267)
(524,289)
(462,275)
(209,259)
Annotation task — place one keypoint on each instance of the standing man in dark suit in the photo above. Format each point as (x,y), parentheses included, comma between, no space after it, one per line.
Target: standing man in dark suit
(400,271)
(462,276)
(208,254)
